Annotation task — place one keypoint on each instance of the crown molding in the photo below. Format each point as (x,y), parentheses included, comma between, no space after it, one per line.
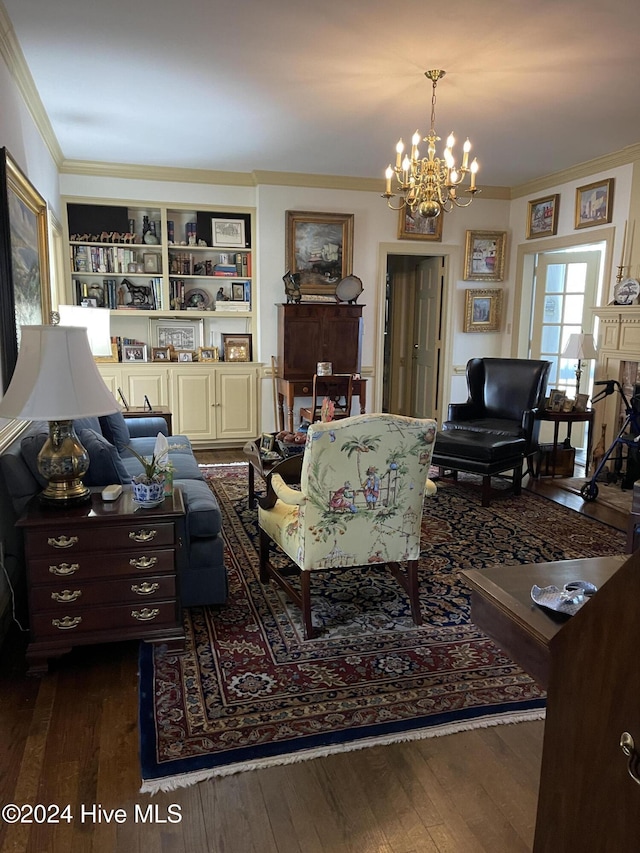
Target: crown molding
(154,173)
(624,157)
(13,56)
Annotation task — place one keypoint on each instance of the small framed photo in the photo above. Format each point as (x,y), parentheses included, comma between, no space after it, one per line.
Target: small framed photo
(208,354)
(151,262)
(267,442)
(134,352)
(594,204)
(237,291)
(484,255)
(236,347)
(483,310)
(412,226)
(160,353)
(581,403)
(184,355)
(542,220)
(228,233)
(556,400)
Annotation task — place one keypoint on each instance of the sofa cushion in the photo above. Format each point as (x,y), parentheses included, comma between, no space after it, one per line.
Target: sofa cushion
(114,428)
(105,465)
(204,518)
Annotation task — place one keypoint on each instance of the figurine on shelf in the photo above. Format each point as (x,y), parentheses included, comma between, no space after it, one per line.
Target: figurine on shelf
(221,296)
(292,286)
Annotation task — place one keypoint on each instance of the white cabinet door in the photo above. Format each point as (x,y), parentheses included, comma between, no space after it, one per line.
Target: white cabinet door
(193,401)
(148,380)
(236,416)
(112,375)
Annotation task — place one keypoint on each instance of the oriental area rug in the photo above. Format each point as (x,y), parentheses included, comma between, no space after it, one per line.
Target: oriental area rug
(250,692)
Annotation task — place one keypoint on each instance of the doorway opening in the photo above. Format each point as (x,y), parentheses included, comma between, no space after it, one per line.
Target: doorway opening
(413,330)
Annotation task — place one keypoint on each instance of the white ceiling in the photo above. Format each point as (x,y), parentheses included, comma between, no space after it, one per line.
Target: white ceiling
(328,86)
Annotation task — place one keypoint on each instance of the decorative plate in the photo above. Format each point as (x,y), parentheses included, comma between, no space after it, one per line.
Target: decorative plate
(349,288)
(567,600)
(196,299)
(627,291)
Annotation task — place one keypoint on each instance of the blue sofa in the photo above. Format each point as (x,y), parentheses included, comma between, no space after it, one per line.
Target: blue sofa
(203,577)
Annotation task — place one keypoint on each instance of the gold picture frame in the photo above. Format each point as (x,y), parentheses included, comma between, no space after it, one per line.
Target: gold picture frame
(208,354)
(483,310)
(108,358)
(319,247)
(594,204)
(236,347)
(484,255)
(24,288)
(412,226)
(160,353)
(542,218)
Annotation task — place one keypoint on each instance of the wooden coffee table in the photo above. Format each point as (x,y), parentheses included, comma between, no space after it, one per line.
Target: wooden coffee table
(502,607)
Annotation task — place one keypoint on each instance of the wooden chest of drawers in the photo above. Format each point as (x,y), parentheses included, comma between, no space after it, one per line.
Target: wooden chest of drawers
(102,572)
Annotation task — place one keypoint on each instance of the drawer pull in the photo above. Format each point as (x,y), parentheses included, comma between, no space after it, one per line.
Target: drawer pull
(67,623)
(629,748)
(64,569)
(143,562)
(145,588)
(143,535)
(62,541)
(146,614)
(66,595)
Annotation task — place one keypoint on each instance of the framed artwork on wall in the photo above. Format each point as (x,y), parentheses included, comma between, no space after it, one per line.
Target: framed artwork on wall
(236,347)
(24,261)
(484,255)
(412,226)
(542,220)
(319,246)
(178,334)
(483,310)
(594,204)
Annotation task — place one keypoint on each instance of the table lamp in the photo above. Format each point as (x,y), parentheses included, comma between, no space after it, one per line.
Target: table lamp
(583,348)
(56,379)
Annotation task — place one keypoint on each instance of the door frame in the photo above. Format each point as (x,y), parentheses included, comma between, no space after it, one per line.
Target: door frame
(524,282)
(426,250)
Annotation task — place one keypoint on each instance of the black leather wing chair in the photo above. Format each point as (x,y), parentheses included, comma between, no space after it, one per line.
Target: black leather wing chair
(504,397)
(496,430)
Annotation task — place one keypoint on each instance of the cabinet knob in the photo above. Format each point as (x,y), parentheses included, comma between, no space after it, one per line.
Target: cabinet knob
(67,623)
(66,595)
(62,541)
(146,614)
(145,588)
(143,535)
(64,569)
(628,747)
(143,562)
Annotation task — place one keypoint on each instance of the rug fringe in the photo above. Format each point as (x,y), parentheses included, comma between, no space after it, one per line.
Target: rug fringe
(184,780)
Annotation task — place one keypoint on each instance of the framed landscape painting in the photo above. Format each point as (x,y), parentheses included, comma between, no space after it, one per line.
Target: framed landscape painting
(319,246)
(484,255)
(412,226)
(483,310)
(24,261)
(594,204)
(542,220)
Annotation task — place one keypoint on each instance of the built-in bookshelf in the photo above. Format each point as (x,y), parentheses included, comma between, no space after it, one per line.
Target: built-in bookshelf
(145,261)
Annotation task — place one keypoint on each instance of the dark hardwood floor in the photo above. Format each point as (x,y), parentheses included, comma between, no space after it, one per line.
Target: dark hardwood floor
(71,738)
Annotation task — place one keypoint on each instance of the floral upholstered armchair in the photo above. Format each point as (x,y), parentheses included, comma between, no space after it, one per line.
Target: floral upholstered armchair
(362,485)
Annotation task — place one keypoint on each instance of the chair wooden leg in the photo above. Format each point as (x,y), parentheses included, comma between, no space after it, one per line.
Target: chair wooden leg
(264,556)
(517,480)
(409,582)
(305,603)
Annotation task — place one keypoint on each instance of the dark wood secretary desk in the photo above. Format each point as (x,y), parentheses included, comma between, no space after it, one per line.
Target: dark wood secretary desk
(309,332)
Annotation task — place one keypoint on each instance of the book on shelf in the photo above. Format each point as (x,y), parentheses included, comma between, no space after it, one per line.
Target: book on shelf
(243,263)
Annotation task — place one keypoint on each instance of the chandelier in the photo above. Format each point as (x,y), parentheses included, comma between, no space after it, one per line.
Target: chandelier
(428,185)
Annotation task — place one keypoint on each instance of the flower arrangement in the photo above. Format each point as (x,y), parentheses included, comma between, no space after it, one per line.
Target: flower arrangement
(149,487)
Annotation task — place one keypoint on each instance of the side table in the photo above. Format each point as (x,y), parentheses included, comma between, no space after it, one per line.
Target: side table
(288,468)
(102,572)
(569,418)
(157,412)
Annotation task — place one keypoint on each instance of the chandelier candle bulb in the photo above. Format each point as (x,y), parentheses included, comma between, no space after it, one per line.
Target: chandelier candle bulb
(399,153)
(624,244)
(465,156)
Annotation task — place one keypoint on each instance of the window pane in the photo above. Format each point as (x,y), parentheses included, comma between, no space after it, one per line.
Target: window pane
(552,309)
(576,275)
(555,278)
(573,306)
(550,342)
(553,373)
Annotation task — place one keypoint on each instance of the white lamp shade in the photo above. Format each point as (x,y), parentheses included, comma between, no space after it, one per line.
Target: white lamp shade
(56,377)
(97,322)
(580,347)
